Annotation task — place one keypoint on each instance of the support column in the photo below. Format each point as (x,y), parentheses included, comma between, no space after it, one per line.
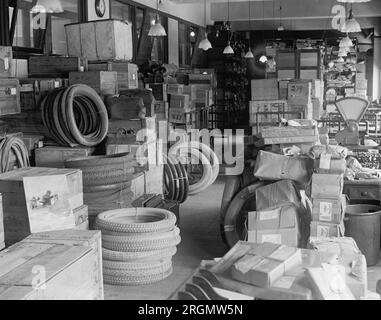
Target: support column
(377,66)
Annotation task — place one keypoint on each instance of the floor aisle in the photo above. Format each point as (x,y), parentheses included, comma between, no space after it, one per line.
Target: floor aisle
(200,241)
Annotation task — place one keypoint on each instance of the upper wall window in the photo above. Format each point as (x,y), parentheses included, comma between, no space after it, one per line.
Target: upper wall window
(43,31)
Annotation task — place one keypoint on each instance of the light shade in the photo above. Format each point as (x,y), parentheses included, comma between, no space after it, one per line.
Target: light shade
(205,44)
(341,60)
(342,53)
(280,28)
(249,54)
(47,6)
(228,49)
(346,43)
(263,59)
(351,25)
(157,30)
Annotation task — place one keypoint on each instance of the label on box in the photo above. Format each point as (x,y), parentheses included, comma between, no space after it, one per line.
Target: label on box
(325,211)
(56,84)
(325,161)
(272,238)
(268,215)
(284,282)
(322,231)
(13,91)
(6,63)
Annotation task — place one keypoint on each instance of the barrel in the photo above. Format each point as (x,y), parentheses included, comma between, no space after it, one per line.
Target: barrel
(363,223)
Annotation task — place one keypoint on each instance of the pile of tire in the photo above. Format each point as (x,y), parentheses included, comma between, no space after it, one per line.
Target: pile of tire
(106,182)
(138,245)
(200,154)
(176,182)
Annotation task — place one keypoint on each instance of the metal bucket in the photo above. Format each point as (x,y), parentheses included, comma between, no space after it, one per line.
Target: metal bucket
(363,223)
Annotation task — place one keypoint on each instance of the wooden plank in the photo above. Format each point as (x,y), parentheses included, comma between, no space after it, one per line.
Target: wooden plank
(54,260)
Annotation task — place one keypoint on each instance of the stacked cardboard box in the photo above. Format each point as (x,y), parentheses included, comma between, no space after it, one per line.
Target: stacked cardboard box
(41,199)
(300,98)
(266,112)
(328,204)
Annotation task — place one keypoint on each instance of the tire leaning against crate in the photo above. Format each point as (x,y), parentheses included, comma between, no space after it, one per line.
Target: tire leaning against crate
(152,220)
(113,278)
(142,242)
(110,255)
(234,220)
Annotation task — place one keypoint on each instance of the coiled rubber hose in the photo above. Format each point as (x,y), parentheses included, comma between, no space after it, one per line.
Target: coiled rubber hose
(176,182)
(198,153)
(15,145)
(75,116)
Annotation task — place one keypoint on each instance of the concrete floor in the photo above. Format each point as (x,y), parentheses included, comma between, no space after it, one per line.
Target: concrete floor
(200,241)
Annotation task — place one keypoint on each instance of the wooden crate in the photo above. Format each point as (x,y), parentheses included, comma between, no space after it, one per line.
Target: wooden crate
(54,66)
(81,218)
(125,108)
(9,96)
(16,217)
(63,265)
(55,157)
(127,72)
(100,40)
(33,142)
(6,63)
(103,82)
(264,89)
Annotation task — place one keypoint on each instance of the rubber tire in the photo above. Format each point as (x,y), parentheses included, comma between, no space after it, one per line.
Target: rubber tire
(165,220)
(117,160)
(138,256)
(233,214)
(134,267)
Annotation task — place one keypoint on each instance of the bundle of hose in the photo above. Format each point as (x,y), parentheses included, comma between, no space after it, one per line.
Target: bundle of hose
(12,145)
(176,182)
(198,153)
(138,245)
(75,116)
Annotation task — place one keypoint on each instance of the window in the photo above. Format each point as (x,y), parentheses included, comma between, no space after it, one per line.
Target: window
(188,39)
(42,32)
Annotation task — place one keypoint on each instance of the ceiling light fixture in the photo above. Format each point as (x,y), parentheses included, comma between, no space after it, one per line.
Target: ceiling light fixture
(342,53)
(263,59)
(157,30)
(346,42)
(280,28)
(353,1)
(205,43)
(249,54)
(47,6)
(351,25)
(228,49)
(340,60)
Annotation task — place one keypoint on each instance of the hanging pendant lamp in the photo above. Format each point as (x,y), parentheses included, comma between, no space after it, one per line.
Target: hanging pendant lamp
(249,54)
(205,43)
(346,42)
(228,49)
(340,60)
(157,30)
(351,25)
(47,6)
(280,28)
(342,53)
(263,59)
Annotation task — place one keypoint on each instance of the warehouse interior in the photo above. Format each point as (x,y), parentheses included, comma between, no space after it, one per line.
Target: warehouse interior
(190,150)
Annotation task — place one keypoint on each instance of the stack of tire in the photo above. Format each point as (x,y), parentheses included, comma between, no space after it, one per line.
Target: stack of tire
(138,245)
(106,182)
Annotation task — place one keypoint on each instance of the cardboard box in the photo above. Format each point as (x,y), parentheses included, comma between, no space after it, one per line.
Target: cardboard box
(55,157)
(25,214)
(174,88)
(262,107)
(7,69)
(325,230)
(327,186)
(263,270)
(325,165)
(299,93)
(103,82)
(278,218)
(9,97)
(288,237)
(329,210)
(102,40)
(264,89)
(180,101)
(70,260)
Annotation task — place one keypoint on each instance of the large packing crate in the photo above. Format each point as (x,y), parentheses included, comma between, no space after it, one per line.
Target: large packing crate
(127,72)
(55,157)
(146,95)
(39,199)
(63,265)
(54,66)
(299,92)
(9,96)
(103,82)
(6,63)
(264,89)
(125,108)
(100,40)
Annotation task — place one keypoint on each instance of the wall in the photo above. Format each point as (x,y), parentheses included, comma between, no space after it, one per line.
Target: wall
(173,41)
